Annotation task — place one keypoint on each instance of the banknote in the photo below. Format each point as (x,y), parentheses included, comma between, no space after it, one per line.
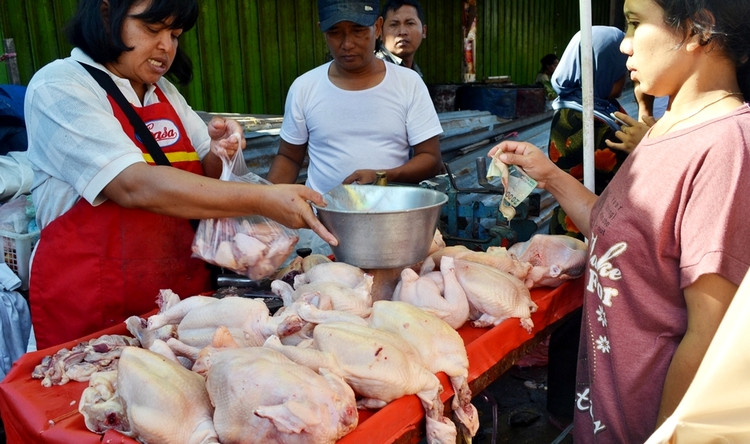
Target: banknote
(516,183)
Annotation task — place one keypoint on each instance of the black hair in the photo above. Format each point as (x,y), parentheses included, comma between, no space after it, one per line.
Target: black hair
(548,60)
(393,5)
(719,22)
(97,29)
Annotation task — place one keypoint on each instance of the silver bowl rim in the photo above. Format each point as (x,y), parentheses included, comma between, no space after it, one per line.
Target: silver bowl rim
(443,200)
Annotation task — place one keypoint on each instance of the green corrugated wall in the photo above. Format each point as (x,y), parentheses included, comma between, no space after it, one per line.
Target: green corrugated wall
(246,53)
(515,34)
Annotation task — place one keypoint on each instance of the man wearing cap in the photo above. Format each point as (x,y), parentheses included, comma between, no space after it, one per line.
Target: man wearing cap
(357,115)
(403,31)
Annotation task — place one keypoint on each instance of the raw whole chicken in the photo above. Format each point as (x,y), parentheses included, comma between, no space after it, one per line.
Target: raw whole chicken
(439,294)
(339,272)
(332,296)
(441,348)
(494,295)
(175,313)
(379,365)
(299,265)
(313,300)
(555,258)
(248,319)
(138,326)
(261,396)
(437,242)
(100,405)
(153,391)
(497,257)
(312,260)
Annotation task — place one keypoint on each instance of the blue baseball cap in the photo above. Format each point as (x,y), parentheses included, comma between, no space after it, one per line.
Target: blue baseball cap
(362,12)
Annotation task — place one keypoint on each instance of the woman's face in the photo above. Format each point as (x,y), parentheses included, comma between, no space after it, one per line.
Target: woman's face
(154,48)
(656,55)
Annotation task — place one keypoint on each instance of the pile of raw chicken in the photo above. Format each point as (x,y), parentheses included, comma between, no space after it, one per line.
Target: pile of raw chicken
(225,370)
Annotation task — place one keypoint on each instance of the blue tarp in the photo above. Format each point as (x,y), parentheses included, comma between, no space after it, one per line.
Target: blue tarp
(12,126)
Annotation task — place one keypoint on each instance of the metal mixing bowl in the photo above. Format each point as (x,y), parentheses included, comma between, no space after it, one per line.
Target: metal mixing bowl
(381,226)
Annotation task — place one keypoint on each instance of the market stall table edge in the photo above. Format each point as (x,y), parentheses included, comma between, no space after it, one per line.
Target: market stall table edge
(32,413)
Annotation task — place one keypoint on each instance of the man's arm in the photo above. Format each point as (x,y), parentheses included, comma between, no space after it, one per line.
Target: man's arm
(287,163)
(426,162)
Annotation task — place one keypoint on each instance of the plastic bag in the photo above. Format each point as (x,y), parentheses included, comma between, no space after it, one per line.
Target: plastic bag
(253,246)
(16,175)
(16,214)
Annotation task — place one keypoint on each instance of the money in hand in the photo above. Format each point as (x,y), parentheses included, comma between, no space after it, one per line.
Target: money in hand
(517,185)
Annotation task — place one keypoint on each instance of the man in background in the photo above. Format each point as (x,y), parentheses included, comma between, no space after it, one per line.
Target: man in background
(356,115)
(403,31)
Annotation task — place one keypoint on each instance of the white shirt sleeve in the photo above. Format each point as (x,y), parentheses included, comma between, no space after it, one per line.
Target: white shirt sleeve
(76,144)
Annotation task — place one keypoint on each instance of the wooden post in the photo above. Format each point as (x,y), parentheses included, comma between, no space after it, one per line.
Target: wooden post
(9,57)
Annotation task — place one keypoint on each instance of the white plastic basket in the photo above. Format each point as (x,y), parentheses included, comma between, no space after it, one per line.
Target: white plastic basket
(16,252)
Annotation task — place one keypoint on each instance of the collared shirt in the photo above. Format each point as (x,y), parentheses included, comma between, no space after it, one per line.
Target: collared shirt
(73,120)
(383,54)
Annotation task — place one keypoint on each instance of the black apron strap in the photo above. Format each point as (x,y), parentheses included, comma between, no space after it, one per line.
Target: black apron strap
(106,82)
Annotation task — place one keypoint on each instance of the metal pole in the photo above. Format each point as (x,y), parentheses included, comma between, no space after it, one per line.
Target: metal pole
(587,85)
(9,57)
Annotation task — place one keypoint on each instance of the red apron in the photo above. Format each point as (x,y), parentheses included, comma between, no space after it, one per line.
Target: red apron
(96,266)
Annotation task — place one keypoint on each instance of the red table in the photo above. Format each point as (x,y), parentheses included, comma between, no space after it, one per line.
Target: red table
(32,413)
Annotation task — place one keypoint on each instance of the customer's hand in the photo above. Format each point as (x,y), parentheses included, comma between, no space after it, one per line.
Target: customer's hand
(630,135)
(530,158)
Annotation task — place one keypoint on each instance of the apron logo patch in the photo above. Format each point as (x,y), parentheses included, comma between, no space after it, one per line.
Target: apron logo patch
(165,131)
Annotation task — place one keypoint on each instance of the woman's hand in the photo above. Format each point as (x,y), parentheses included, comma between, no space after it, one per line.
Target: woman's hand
(530,158)
(630,134)
(290,206)
(227,136)
(571,194)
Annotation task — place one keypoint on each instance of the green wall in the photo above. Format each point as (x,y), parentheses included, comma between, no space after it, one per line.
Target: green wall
(246,53)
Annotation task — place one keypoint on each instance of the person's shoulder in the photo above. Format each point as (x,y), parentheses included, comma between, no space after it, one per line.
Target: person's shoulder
(741,118)
(58,71)
(314,72)
(744,110)
(311,77)
(403,73)
(53,70)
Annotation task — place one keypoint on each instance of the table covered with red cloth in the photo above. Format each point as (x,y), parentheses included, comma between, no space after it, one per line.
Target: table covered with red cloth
(32,413)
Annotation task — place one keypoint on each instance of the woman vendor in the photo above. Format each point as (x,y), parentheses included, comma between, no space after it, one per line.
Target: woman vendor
(115,215)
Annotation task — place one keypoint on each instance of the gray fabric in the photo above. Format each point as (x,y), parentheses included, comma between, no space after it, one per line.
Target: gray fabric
(15,322)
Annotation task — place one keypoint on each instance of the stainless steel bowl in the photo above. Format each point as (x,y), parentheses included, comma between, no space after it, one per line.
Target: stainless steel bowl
(381,226)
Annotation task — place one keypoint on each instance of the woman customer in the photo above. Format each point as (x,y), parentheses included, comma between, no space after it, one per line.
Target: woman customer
(116,226)
(667,237)
(565,148)
(549,64)
(566,130)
